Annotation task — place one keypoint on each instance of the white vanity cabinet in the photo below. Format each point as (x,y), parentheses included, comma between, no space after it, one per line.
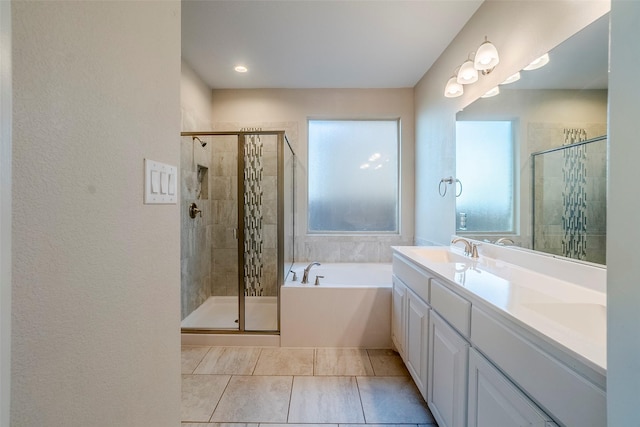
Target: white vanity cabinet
(417,340)
(495,401)
(447,373)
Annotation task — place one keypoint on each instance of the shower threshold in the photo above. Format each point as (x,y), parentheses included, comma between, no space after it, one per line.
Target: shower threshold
(221,313)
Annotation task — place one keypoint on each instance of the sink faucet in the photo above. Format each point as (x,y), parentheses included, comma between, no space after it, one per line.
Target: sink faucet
(305,275)
(504,241)
(470,249)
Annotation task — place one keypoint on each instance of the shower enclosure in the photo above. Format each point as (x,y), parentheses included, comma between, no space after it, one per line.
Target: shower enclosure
(570,200)
(236,229)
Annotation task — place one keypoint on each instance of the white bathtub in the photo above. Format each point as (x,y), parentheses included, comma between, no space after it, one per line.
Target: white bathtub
(350,308)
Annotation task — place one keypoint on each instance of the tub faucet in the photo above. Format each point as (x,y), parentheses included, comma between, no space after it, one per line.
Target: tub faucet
(305,275)
(470,249)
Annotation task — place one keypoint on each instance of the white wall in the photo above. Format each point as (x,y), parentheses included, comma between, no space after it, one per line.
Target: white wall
(623,269)
(95,272)
(289,109)
(195,100)
(5,211)
(521,31)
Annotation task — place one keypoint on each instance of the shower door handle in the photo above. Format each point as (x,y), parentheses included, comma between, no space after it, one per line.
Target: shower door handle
(235,233)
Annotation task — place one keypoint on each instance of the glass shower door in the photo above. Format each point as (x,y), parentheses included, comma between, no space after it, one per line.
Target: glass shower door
(260,232)
(224,231)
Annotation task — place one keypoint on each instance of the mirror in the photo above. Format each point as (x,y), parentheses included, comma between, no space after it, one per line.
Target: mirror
(531,161)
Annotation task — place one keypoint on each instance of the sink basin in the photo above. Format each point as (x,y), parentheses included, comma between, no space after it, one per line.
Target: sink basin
(587,319)
(439,255)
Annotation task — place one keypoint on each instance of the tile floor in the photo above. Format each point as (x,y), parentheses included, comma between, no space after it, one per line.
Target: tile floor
(334,387)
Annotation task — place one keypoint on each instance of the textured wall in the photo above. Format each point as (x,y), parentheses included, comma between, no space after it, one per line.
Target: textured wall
(522,31)
(292,108)
(96,310)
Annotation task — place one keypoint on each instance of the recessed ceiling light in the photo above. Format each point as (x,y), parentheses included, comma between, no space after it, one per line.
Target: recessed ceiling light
(241,68)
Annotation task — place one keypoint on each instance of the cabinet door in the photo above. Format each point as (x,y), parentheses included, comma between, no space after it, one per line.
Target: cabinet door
(447,373)
(417,340)
(398,315)
(495,401)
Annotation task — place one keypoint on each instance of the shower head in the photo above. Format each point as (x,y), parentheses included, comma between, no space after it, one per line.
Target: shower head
(202,144)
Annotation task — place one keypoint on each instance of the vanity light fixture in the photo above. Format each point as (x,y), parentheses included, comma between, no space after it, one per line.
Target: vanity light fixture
(467,73)
(491,92)
(538,63)
(486,57)
(511,79)
(241,68)
(453,89)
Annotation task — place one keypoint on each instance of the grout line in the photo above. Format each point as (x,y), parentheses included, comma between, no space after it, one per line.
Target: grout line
(314,362)
(201,359)
(364,416)
(220,398)
(257,360)
(290,398)
(371,363)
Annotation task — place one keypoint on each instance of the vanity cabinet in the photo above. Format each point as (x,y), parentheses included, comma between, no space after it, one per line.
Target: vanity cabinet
(482,367)
(495,401)
(447,373)
(417,340)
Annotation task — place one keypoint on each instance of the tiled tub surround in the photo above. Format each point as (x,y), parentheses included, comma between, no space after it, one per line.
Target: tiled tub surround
(298,386)
(349,308)
(553,324)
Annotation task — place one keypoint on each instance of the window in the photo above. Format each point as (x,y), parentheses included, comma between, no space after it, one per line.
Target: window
(485,167)
(353,176)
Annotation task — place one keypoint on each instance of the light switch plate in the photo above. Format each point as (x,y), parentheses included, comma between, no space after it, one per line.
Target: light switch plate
(160,183)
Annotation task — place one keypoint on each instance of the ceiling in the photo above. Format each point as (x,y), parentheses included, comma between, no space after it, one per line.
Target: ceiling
(318,44)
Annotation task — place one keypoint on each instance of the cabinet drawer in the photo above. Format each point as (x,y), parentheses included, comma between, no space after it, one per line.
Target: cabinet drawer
(563,393)
(413,277)
(452,307)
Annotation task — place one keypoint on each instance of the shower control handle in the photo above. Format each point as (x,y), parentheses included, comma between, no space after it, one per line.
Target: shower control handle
(193,210)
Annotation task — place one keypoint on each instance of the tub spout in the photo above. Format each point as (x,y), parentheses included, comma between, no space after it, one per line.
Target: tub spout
(305,275)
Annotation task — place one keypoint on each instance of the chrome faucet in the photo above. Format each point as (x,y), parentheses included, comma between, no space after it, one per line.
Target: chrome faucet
(470,249)
(305,275)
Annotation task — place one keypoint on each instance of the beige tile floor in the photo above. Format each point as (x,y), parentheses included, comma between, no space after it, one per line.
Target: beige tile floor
(285,387)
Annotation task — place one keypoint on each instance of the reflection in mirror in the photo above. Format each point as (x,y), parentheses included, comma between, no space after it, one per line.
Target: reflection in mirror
(570,200)
(561,104)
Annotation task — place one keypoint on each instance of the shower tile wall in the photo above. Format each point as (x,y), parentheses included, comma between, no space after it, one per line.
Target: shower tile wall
(195,251)
(223,182)
(269,216)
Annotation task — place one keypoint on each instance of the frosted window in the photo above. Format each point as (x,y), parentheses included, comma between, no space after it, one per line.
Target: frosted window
(353,176)
(485,166)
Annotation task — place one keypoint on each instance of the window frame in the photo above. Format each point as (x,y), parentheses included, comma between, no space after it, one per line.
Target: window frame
(398,177)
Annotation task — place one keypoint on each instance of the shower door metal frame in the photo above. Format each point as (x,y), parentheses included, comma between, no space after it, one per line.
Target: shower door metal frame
(241,136)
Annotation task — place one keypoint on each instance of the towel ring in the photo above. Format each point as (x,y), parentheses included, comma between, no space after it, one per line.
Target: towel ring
(459,193)
(443,190)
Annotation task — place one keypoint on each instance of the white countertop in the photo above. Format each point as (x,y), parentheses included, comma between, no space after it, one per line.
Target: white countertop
(562,313)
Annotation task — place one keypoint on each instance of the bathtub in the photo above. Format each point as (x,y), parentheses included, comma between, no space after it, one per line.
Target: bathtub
(351,307)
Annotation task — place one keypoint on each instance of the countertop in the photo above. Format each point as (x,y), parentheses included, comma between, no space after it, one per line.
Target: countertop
(568,316)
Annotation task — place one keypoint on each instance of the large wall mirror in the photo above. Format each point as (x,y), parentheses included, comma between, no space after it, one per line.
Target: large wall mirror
(531,161)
